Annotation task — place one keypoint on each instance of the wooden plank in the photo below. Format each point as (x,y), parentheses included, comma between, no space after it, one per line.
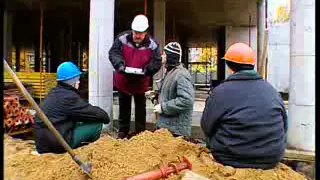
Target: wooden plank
(299,155)
(20,132)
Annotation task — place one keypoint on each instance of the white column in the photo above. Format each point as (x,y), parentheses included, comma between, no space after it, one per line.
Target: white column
(301,133)
(159,21)
(100,41)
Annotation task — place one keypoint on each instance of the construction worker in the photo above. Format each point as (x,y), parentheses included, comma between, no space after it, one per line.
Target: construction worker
(135,57)
(244,119)
(176,97)
(75,119)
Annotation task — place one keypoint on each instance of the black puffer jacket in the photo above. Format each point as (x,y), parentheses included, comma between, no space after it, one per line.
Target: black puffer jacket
(245,121)
(64,107)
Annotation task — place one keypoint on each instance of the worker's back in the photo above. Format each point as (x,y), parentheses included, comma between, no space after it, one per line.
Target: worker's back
(245,118)
(54,106)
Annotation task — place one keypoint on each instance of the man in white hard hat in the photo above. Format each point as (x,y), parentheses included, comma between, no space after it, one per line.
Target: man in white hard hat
(135,57)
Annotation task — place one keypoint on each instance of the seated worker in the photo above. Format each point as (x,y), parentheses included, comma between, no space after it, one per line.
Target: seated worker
(244,119)
(75,119)
(176,94)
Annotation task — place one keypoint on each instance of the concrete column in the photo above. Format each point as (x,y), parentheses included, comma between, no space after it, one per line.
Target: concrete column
(159,21)
(235,34)
(100,40)
(301,132)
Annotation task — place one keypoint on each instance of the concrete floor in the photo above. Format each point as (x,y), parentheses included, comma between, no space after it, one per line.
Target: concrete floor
(199,105)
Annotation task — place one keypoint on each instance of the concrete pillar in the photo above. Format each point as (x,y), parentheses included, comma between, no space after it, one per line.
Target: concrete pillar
(235,34)
(159,21)
(100,40)
(301,132)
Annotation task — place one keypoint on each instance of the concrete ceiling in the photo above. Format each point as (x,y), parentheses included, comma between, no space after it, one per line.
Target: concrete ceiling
(213,12)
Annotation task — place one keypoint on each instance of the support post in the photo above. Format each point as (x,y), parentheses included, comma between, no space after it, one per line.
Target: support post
(301,131)
(100,41)
(261,27)
(159,19)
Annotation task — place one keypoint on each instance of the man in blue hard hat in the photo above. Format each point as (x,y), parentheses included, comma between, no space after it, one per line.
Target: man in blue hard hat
(76,120)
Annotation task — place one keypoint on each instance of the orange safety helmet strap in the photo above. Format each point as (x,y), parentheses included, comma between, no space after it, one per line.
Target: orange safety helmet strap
(240,53)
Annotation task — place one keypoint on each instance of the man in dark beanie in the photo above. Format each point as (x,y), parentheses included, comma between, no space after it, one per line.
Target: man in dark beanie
(176,95)
(76,120)
(244,119)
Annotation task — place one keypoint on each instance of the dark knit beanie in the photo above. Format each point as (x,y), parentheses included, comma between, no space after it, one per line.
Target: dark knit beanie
(173,54)
(239,67)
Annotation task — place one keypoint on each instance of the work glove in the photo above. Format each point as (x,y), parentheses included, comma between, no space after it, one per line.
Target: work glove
(149,94)
(122,69)
(157,109)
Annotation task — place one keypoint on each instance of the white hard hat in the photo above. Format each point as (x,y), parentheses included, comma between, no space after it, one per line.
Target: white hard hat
(140,23)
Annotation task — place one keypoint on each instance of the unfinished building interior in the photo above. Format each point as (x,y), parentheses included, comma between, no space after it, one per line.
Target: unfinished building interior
(60,30)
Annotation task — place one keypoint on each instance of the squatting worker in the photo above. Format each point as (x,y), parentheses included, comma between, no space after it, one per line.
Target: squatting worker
(244,118)
(75,119)
(134,49)
(176,97)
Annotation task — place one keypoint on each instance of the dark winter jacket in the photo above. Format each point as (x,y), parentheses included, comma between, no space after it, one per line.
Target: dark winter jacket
(176,99)
(64,108)
(245,122)
(146,56)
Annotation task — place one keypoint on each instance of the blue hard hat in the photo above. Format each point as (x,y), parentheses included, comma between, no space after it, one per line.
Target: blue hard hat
(67,70)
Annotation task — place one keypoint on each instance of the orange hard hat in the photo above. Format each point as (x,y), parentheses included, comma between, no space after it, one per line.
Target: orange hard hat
(240,53)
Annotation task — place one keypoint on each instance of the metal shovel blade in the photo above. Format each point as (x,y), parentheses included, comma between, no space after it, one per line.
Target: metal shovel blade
(86,168)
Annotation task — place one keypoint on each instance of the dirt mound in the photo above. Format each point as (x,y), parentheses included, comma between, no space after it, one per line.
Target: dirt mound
(116,159)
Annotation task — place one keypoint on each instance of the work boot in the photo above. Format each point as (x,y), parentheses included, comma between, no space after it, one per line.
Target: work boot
(122,135)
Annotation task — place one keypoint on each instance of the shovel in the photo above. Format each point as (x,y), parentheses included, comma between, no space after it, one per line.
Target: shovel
(86,167)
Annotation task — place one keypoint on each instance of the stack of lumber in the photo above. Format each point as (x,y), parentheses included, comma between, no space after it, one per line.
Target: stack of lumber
(40,82)
(16,117)
(10,89)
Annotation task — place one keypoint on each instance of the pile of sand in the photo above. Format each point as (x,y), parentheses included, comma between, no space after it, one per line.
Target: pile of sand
(117,159)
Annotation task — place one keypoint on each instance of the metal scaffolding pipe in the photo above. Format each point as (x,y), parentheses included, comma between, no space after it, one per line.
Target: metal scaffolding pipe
(301,132)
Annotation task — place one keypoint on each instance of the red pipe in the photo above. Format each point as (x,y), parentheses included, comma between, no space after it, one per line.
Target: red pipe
(163,171)
(11,98)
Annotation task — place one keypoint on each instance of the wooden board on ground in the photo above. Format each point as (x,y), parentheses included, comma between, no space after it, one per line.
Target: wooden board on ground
(299,155)
(20,132)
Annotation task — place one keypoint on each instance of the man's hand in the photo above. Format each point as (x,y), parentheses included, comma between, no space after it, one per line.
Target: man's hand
(122,69)
(149,94)
(157,109)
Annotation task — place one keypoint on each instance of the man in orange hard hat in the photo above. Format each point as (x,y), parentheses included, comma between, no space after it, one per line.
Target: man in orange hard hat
(244,119)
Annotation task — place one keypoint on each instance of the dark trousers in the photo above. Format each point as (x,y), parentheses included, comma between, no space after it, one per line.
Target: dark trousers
(125,112)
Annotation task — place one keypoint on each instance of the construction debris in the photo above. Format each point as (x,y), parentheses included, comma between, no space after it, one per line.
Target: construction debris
(117,159)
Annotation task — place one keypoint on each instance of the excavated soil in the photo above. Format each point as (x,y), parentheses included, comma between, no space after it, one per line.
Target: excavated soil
(117,159)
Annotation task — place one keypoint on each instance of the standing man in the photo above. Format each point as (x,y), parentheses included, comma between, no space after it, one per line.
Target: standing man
(244,119)
(136,58)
